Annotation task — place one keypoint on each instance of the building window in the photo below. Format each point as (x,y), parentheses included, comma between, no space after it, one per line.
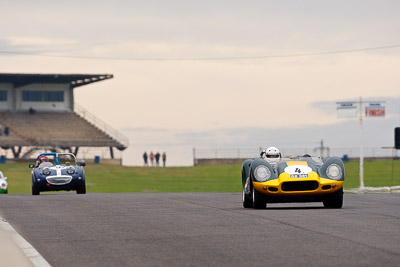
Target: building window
(3,95)
(53,96)
(32,96)
(43,96)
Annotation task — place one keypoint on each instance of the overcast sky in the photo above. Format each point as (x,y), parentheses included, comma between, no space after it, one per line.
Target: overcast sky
(185,68)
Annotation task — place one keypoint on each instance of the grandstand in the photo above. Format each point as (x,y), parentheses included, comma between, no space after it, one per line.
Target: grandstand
(37,112)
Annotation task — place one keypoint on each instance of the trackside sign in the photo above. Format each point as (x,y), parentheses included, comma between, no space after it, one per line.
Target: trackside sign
(346,109)
(375,110)
(371,109)
(350,109)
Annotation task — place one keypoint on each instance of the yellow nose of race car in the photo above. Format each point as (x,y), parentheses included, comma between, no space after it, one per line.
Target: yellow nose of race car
(298,179)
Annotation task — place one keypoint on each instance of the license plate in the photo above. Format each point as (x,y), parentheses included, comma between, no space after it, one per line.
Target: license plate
(304,175)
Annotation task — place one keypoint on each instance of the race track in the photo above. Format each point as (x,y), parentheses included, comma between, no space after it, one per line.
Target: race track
(205,229)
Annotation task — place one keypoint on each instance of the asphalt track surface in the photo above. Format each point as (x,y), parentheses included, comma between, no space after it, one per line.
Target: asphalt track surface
(205,229)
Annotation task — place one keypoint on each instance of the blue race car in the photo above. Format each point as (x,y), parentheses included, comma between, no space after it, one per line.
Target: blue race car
(55,172)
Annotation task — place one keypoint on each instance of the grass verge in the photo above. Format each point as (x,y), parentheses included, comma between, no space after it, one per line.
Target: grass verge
(103,178)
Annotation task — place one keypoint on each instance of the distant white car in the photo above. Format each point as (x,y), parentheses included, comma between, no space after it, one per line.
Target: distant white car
(3,184)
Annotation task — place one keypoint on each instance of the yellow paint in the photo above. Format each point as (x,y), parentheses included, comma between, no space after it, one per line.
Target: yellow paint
(293,163)
(285,177)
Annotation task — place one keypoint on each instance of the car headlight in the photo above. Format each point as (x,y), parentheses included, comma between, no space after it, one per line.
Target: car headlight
(334,172)
(46,171)
(70,170)
(262,173)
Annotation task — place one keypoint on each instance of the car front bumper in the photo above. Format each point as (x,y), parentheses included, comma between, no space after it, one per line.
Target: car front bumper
(298,187)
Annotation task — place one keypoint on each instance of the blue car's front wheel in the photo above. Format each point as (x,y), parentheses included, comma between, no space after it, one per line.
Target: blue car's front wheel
(81,189)
(35,190)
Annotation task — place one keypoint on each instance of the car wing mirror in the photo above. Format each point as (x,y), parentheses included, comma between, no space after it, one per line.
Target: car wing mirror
(31,166)
(81,163)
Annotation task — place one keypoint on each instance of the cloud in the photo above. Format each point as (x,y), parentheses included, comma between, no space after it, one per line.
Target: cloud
(378,132)
(34,45)
(37,41)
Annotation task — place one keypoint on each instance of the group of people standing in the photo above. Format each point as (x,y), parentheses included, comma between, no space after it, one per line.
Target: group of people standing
(155,157)
(6,130)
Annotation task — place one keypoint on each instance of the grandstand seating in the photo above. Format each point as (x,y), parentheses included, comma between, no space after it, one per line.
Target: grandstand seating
(61,129)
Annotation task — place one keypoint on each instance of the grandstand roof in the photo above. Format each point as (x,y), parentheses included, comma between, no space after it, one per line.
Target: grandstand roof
(75,80)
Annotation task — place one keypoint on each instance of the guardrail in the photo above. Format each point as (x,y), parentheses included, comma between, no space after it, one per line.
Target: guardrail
(122,139)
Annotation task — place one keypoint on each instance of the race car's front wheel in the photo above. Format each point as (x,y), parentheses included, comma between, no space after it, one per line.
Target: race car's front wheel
(335,200)
(259,200)
(35,190)
(246,192)
(247,202)
(81,188)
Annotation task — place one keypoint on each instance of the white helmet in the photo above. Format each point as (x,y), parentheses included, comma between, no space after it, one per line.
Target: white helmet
(272,154)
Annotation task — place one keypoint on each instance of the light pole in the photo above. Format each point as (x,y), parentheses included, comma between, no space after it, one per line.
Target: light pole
(361,145)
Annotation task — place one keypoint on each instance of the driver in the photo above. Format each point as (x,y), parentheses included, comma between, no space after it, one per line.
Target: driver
(44,161)
(272,155)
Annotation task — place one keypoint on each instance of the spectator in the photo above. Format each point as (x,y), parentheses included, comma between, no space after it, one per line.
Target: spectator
(151,158)
(6,131)
(157,159)
(164,158)
(145,159)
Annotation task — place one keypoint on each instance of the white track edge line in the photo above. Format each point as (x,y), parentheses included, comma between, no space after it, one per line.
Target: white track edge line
(32,254)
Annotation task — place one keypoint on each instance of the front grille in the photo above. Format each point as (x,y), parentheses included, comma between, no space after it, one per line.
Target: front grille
(58,180)
(300,186)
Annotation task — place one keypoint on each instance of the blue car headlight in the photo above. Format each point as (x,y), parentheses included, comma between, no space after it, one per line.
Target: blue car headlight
(70,170)
(334,171)
(262,173)
(46,171)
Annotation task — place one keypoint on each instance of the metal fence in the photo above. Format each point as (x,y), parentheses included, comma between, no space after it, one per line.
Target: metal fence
(226,153)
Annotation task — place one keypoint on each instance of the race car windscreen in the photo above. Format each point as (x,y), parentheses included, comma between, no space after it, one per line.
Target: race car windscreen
(66,159)
(317,160)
